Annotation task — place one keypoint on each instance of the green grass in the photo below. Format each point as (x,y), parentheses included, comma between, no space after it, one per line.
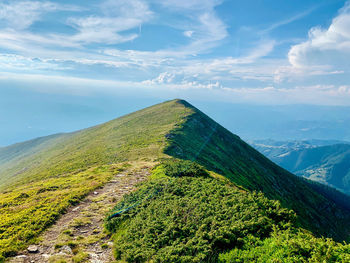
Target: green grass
(187,216)
(190,217)
(288,246)
(140,135)
(28,210)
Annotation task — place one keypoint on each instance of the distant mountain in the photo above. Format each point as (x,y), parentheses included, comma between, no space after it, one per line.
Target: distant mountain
(321,161)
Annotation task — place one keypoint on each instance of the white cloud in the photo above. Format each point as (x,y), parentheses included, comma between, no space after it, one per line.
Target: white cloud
(193,5)
(287,21)
(316,94)
(203,20)
(328,49)
(164,77)
(188,33)
(108,28)
(22,14)
(119,16)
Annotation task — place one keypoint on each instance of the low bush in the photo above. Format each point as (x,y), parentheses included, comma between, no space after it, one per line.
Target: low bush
(190,219)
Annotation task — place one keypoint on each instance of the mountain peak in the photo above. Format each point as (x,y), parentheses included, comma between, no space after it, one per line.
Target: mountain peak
(173,129)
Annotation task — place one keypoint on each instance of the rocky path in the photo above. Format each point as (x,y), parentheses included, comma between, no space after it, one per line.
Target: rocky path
(79,236)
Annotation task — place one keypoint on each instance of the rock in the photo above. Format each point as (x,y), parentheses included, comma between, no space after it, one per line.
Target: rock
(95,193)
(66,250)
(21,256)
(33,249)
(46,256)
(76,208)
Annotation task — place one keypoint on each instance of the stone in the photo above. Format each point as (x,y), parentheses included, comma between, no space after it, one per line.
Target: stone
(66,250)
(95,193)
(21,257)
(110,244)
(33,249)
(76,208)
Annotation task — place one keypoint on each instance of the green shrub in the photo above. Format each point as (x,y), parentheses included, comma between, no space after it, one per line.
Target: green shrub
(191,219)
(288,247)
(179,168)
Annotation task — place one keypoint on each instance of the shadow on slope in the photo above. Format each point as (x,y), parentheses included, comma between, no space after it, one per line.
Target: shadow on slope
(203,140)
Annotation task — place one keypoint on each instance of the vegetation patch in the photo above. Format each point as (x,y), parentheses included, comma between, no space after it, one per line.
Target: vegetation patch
(191,219)
(288,247)
(27,211)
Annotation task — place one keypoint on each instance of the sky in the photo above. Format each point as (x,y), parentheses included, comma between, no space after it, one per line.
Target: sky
(76,59)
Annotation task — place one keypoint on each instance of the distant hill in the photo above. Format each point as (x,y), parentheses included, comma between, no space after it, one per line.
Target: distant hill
(85,159)
(321,161)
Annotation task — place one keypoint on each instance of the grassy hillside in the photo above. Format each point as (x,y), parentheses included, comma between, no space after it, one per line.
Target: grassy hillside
(87,159)
(131,137)
(41,178)
(203,140)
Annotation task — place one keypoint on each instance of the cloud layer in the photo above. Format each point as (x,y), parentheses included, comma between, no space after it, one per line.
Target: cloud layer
(325,48)
(174,45)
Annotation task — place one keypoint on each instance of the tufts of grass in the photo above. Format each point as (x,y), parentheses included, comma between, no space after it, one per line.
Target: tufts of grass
(23,219)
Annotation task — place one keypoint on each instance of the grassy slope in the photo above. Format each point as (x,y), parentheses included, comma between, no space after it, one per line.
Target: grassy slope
(202,140)
(143,135)
(62,169)
(131,137)
(28,210)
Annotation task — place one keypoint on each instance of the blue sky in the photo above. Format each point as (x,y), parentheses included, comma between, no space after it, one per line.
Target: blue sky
(253,51)
(243,51)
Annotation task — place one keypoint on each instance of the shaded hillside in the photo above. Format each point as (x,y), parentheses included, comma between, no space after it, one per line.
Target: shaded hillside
(202,140)
(328,164)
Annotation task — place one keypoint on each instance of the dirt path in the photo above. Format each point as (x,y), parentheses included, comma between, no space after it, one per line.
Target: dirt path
(79,234)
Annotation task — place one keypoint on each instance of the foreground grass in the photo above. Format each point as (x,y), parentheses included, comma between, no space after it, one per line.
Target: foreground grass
(182,214)
(27,211)
(185,215)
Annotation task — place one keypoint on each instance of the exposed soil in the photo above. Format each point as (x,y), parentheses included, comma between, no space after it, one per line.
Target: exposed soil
(79,234)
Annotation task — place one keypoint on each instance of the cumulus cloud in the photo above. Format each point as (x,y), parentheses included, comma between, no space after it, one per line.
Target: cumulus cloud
(188,33)
(327,49)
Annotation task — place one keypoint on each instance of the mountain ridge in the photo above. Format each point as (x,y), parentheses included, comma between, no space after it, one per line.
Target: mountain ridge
(176,128)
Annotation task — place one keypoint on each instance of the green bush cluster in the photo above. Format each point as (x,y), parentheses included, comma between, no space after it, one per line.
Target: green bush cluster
(178,168)
(181,216)
(191,219)
(288,246)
